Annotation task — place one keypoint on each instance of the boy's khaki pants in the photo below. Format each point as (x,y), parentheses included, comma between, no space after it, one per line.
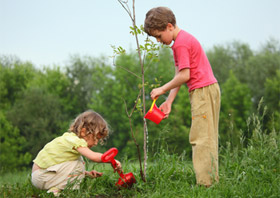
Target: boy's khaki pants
(205,107)
(59,175)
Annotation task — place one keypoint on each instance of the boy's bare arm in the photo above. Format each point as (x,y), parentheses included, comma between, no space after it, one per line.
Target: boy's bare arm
(174,91)
(180,77)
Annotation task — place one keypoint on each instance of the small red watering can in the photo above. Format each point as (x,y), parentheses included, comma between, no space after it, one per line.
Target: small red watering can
(154,114)
(125,180)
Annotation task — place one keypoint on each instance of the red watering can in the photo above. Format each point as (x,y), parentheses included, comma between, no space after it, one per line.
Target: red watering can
(125,180)
(154,114)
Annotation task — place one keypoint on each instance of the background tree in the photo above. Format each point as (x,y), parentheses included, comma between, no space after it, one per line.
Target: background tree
(87,76)
(233,57)
(14,78)
(12,155)
(37,115)
(79,72)
(55,82)
(272,100)
(109,101)
(236,106)
(260,67)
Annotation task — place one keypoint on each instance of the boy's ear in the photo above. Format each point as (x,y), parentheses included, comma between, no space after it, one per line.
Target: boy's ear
(169,26)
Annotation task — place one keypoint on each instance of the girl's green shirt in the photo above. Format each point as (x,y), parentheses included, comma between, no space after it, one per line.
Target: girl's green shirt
(59,150)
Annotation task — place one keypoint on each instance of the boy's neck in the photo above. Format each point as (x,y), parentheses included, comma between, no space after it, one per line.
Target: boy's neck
(176,32)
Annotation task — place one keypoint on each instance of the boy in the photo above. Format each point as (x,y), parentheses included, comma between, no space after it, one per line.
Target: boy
(193,68)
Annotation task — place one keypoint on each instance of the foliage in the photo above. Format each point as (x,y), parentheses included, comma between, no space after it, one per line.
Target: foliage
(230,57)
(14,78)
(80,72)
(272,100)
(37,115)
(236,106)
(11,146)
(251,68)
(110,103)
(261,67)
(40,103)
(55,82)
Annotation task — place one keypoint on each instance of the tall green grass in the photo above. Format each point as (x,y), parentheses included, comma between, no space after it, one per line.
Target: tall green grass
(251,171)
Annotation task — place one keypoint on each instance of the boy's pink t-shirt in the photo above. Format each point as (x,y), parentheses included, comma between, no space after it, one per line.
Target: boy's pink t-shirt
(188,53)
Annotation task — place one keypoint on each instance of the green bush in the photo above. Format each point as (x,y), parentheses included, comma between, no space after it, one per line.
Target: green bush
(11,156)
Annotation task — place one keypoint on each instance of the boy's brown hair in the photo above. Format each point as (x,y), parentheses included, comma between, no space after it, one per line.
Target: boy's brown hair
(93,123)
(157,19)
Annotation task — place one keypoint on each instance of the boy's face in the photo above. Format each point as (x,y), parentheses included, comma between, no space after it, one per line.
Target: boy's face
(166,36)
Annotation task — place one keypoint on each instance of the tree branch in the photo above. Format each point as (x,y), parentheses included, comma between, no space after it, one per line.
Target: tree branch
(132,134)
(125,69)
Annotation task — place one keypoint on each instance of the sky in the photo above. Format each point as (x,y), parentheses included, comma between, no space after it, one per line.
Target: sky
(49,32)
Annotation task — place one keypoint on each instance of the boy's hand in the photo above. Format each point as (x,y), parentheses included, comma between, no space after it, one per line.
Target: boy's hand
(157,92)
(93,174)
(166,109)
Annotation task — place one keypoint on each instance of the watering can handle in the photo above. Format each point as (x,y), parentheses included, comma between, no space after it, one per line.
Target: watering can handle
(153,104)
(108,156)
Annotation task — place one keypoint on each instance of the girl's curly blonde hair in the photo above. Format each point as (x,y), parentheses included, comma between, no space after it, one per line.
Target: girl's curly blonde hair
(93,123)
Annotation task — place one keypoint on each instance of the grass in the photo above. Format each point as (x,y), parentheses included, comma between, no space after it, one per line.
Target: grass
(252,171)
(14,177)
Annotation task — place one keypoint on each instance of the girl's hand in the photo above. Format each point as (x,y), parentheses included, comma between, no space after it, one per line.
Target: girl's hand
(93,174)
(119,166)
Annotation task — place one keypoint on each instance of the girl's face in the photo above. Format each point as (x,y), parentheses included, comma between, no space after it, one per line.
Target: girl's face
(89,138)
(166,36)
(91,141)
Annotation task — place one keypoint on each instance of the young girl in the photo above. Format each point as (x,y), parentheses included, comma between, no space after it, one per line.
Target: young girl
(60,161)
